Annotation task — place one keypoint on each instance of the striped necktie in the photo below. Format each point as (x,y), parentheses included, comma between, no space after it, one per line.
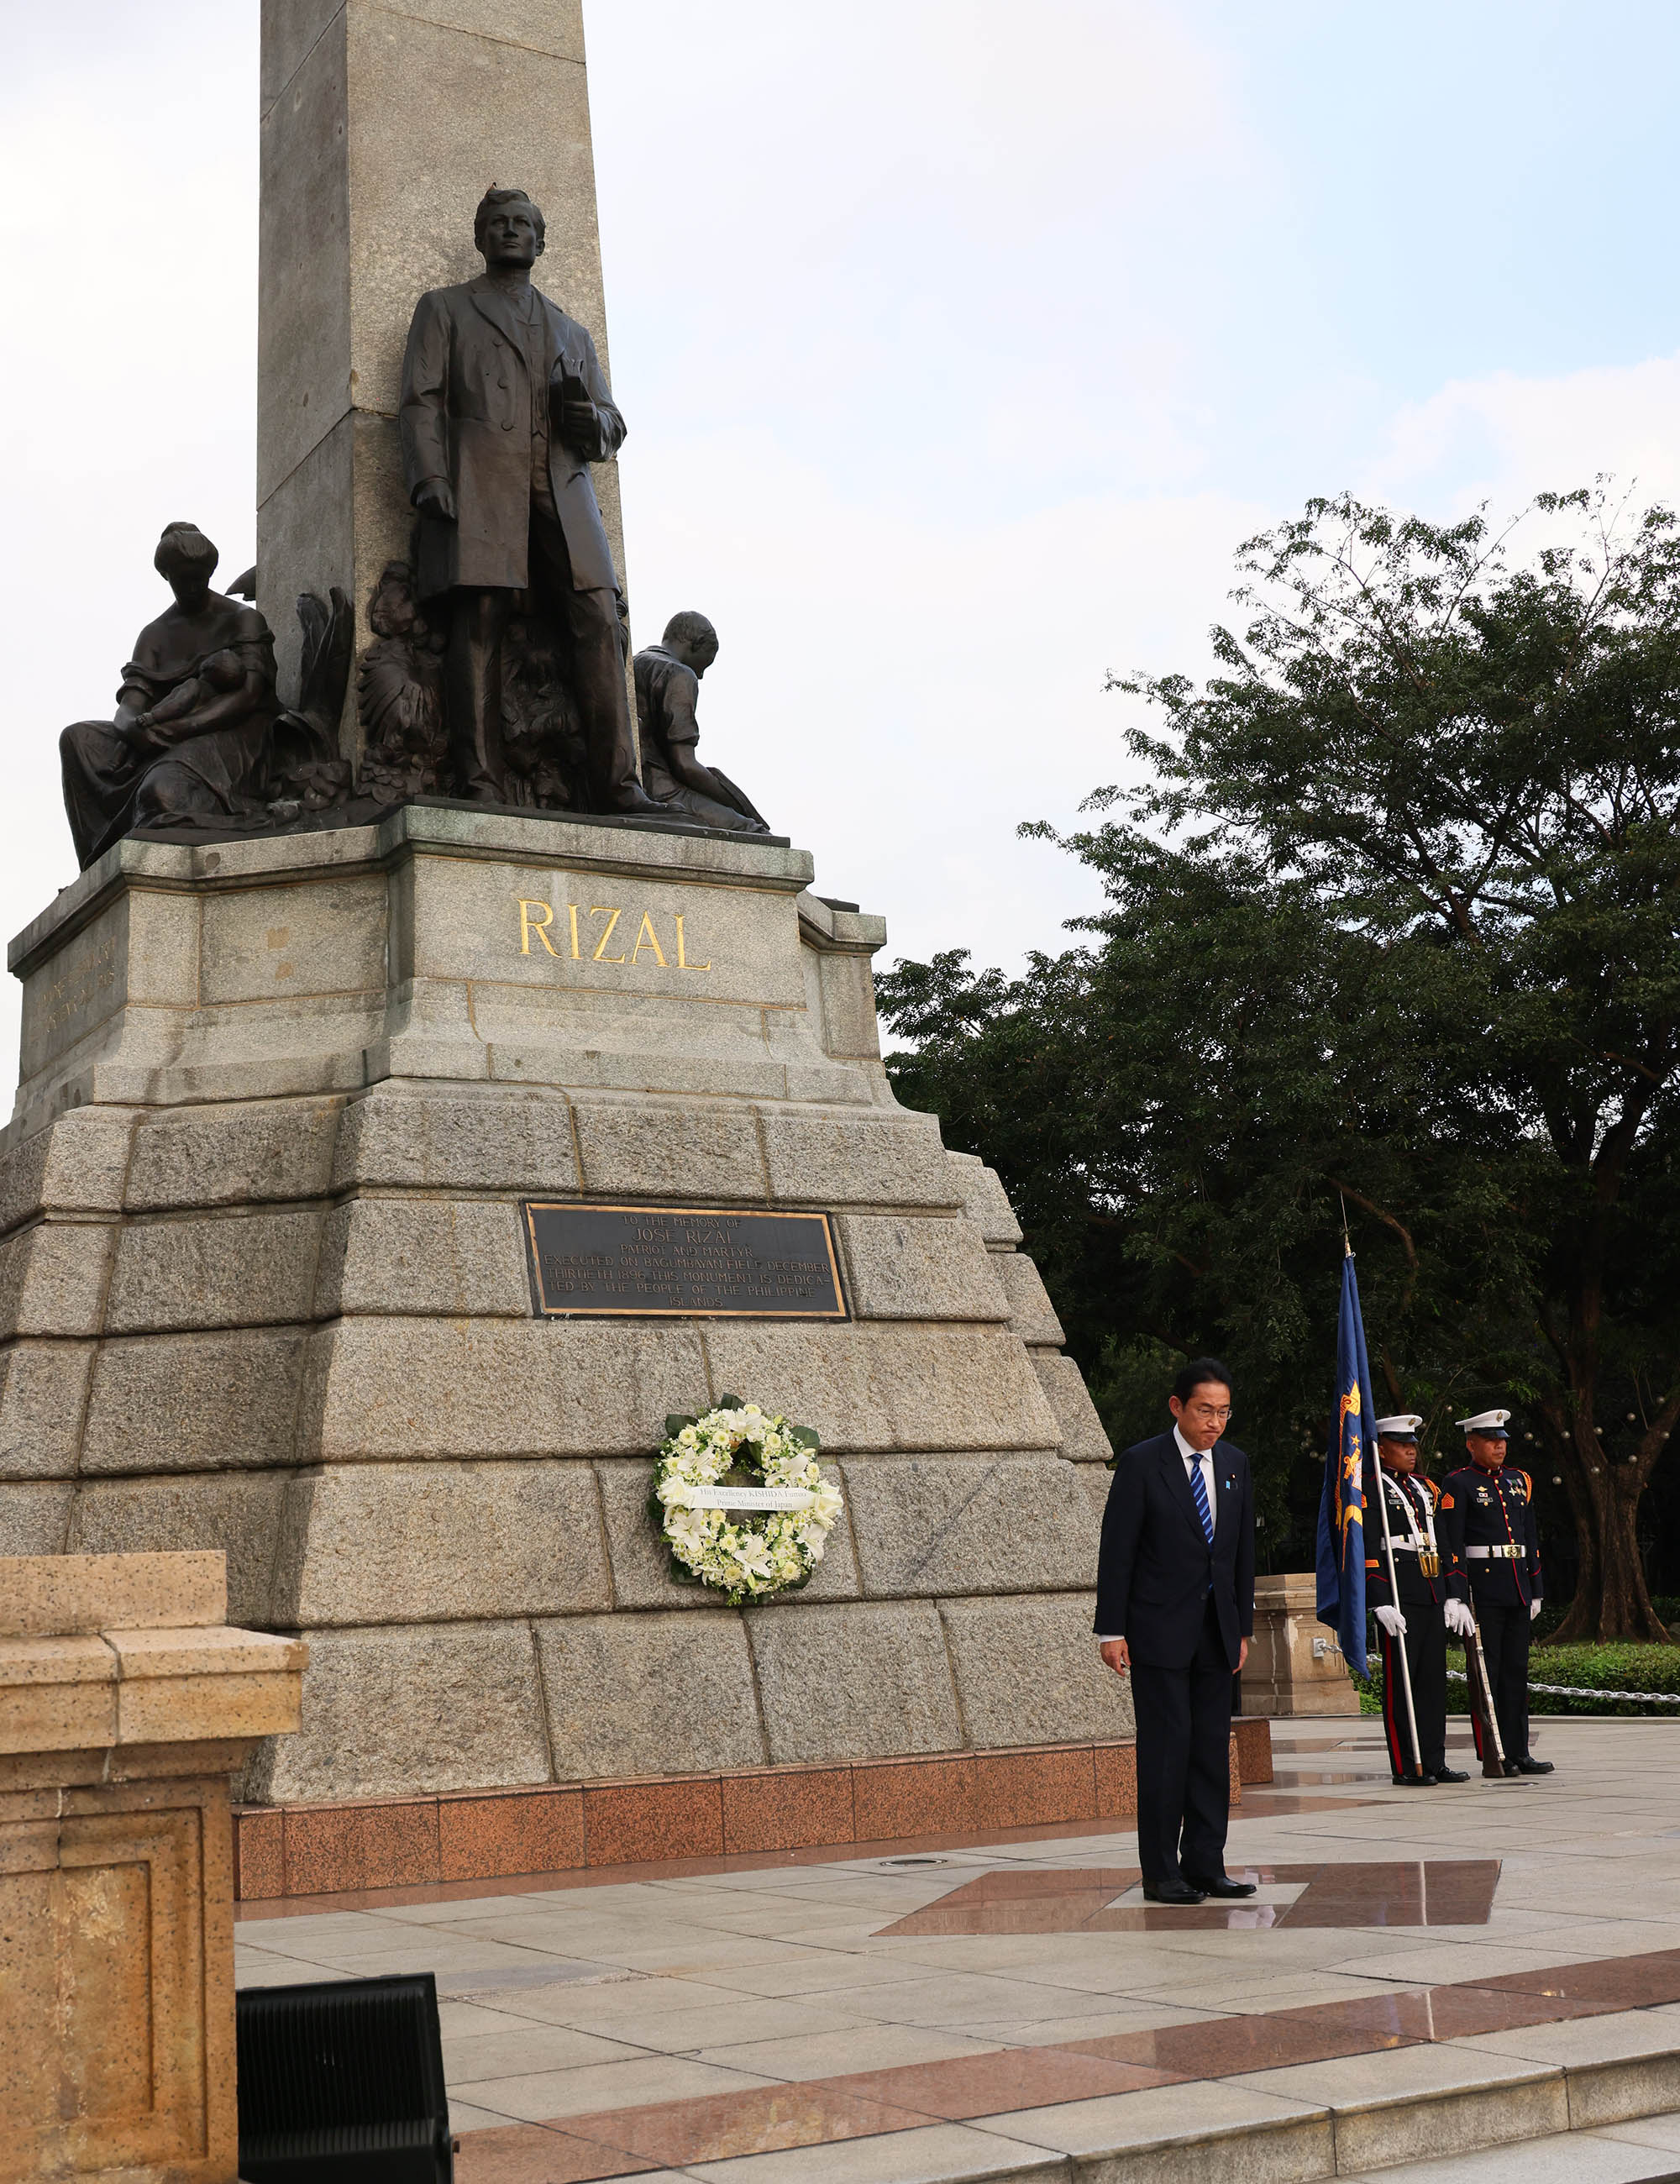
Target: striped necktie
(1200,1487)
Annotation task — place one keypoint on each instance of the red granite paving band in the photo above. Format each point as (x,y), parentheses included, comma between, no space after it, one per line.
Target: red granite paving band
(365,1844)
(825,2111)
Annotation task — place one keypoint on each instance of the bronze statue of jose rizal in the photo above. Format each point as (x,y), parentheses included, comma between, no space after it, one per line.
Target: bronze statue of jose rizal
(505,404)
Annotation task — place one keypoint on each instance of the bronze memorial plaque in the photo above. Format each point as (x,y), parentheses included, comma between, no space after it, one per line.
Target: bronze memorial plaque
(700,1261)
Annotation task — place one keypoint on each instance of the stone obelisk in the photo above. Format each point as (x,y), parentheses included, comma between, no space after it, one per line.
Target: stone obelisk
(381,129)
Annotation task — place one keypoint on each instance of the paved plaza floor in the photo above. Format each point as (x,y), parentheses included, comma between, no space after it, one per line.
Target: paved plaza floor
(1422,1976)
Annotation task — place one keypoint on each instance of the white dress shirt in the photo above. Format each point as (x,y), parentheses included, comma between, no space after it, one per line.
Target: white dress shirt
(1194,1460)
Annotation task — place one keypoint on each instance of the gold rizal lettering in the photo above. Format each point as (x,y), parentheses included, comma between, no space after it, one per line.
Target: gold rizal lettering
(607,933)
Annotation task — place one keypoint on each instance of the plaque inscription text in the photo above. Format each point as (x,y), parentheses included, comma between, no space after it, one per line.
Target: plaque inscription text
(703,1261)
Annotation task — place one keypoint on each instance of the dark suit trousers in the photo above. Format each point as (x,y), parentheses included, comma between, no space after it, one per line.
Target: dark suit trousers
(1184,1761)
(588,625)
(1426,1645)
(1504,1646)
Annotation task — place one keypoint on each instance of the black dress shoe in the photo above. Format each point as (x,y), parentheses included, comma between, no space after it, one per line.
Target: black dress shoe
(1449,1775)
(1219,1885)
(1171,1891)
(1525,1766)
(1413,1781)
(1511,1767)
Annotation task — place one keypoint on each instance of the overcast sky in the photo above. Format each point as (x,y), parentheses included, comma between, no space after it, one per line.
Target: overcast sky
(960,344)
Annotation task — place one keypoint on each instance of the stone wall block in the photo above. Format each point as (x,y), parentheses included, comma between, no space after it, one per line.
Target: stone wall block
(195,1402)
(44,1386)
(464,1257)
(75,1164)
(238,1513)
(52,1277)
(850,1029)
(498,1142)
(858,1160)
(214,1271)
(1028,1671)
(1032,1315)
(985,1200)
(1064,1384)
(858,1680)
(690,1151)
(641,1562)
(35,1516)
(392,1713)
(265,944)
(898,1266)
(885,1387)
(441,1542)
(937,1524)
(248,1151)
(651,1694)
(399,1388)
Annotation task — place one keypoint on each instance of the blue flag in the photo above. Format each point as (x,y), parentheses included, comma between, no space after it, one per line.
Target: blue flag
(1341,1514)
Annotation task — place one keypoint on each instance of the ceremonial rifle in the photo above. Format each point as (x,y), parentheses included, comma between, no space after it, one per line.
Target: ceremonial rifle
(1381,1486)
(1493,1752)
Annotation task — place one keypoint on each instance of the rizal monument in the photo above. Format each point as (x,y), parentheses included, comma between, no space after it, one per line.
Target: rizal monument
(441,1082)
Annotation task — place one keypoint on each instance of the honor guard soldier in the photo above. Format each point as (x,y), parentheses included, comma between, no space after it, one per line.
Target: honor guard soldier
(1487,1524)
(1410,1609)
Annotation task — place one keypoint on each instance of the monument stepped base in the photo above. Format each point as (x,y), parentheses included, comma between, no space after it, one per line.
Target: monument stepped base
(265,1287)
(406,1842)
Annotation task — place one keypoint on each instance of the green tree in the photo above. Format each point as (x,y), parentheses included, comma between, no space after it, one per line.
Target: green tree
(1391,926)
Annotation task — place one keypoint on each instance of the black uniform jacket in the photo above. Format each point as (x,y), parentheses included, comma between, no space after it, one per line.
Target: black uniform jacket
(1155,1569)
(1417,1589)
(1490,1509)
(466,416)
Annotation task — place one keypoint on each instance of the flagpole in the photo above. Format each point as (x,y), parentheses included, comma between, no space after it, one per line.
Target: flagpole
(1389,1550)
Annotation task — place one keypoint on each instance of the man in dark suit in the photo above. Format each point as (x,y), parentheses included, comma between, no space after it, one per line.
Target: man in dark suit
(505,405)
(1175,1610)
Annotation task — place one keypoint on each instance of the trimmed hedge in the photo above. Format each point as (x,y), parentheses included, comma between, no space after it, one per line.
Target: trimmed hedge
(1606,1667)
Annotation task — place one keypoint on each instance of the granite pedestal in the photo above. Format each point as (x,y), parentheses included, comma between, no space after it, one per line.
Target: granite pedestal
(125,1704)
(262,1288)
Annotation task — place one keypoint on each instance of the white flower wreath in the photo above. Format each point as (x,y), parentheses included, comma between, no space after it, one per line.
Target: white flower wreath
(742,1502)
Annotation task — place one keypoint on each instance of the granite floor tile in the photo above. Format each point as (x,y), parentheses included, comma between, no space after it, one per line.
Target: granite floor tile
(514,2051)
(259,1967)
(473,2116)
(724,2126)
(1416,2072)
(745,2020)
(1629,1982)
(843,2054)
(818,1973)
(1573,2158)
(1163,2114)
(525,2153)
(459,2020)
(608,2009)
(935,2154)
(939,2001)
(1610,2037)
(1660,2132)
(959,2089)
(542,2095)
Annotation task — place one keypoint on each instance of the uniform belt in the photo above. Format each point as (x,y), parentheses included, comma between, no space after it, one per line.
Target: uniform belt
(1496,1554)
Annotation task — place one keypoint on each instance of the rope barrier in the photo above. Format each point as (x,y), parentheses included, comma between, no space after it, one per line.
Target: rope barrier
(1576,1692)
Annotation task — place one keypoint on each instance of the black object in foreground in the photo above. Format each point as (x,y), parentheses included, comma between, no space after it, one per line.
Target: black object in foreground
(342,2083)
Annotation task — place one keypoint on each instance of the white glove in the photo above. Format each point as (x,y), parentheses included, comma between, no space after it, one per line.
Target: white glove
(1458,1618)
(1392,1621)
(1534,1610)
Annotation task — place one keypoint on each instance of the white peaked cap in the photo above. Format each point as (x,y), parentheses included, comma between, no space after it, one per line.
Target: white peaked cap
(1403,1427)
(1483,1422)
